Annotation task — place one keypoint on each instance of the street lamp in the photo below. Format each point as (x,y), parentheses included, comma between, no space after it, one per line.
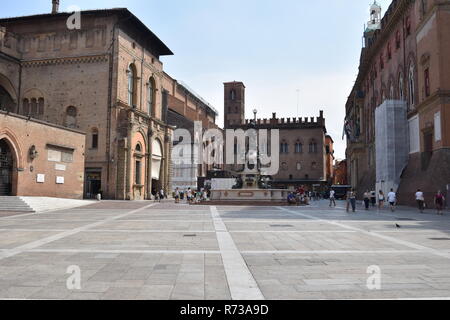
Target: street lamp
(255,112)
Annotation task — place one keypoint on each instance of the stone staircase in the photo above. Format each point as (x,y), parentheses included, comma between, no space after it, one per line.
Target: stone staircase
(46,204)
(14,204)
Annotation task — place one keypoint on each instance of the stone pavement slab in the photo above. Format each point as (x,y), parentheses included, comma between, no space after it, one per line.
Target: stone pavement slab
(146,250)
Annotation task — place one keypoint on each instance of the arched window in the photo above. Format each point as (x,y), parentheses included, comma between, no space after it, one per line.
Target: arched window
(151,96)
(398,39)
(41,106)
(298,147)
(314,165)
(411,87)
(299,166)
(284,166)
(131,72)
(284,147)
(313,147)
(33,107)
(233,94)
(423,7)
(138,148)
(71,117)
(94,141)
(401,89)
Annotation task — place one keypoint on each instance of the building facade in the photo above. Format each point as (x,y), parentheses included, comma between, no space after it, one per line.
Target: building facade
(40,159)
(303,142)
(397,115)
(340,173)
(329,150)
(104,78)
(186,108)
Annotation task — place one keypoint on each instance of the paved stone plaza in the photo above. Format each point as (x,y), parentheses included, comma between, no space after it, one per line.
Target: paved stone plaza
(143,250)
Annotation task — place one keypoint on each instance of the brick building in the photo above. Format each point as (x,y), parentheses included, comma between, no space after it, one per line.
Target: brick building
(105,79)
(340,173)
(329,150)
(303,141)
(398,118)
(40,159)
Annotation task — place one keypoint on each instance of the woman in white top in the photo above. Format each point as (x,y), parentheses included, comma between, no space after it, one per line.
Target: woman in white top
(420,200)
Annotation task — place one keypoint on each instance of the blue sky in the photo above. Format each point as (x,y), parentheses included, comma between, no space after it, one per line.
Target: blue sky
(275,47)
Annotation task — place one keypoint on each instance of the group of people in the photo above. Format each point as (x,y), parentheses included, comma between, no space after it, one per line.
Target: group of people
(192,196)
(159,195)
(300,196)
(370,198)
(439,201)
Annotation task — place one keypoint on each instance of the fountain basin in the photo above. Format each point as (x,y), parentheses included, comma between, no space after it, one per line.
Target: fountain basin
(248,195)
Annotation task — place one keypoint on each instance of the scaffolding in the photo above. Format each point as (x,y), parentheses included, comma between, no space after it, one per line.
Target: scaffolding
(391,147)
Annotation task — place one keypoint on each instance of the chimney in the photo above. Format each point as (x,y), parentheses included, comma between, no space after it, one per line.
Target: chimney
(55,6)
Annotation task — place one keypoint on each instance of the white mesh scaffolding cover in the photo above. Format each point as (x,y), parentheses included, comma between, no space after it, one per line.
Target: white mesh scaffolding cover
(391,137)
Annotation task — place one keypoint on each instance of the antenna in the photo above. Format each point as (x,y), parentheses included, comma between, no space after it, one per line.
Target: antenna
(298,102)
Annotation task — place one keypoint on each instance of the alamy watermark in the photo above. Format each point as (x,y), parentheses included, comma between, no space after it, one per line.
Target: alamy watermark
(74,280)
(253,147)
(374,280)
(74,20)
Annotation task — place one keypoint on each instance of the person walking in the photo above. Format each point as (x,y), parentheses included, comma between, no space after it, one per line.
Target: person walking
(439,201)
(189,195)
(420,199)
(367,199)
(177,195)
(161,195)
(381,200)
(351,200)
(392,199)
(373,198)
(333,198)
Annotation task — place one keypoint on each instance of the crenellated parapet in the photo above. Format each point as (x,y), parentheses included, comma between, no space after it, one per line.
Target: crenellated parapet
(288,123)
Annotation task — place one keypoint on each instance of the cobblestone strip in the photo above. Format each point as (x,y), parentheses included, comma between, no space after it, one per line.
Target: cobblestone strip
(240,280)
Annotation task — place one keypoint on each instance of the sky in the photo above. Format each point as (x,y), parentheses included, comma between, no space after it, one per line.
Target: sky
(295,57)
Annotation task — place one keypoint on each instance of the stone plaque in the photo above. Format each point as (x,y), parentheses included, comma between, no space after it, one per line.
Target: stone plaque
(60,167)
(40,178)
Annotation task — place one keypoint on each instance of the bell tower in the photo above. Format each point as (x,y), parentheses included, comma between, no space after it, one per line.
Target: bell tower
(55,6)
(375,16)
(234,106)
